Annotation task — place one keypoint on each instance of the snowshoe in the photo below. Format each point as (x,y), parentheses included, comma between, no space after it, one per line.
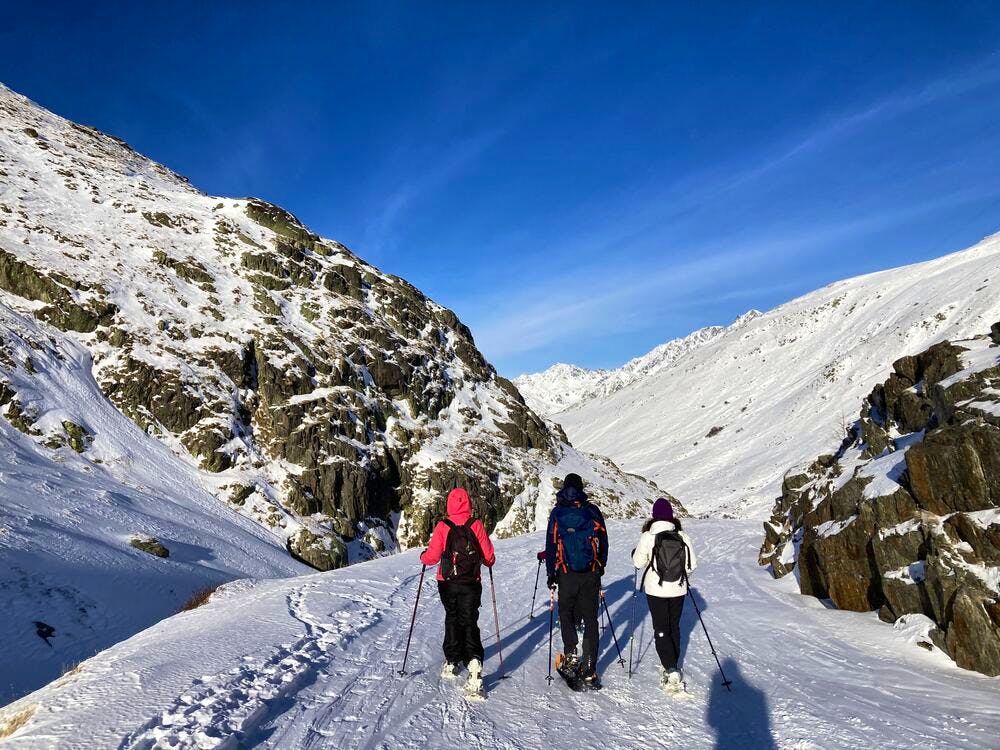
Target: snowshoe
(474,685)
(450,670)
(672,683)
(591,681)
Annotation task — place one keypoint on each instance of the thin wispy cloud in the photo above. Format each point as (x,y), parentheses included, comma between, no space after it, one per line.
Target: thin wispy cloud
(435,172)
(600,300)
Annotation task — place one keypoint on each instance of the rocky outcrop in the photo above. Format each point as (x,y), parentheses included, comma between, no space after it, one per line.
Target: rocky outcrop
(905,517)
(149,545)
(276,359)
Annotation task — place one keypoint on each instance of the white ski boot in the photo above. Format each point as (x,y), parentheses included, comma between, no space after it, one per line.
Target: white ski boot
(450,671)
(474,685)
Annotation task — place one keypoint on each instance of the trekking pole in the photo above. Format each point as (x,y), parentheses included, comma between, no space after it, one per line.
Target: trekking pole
(420,586)
(496,620)
(631,621)
(725,681)
(538,572)
(621,658)
(552,615)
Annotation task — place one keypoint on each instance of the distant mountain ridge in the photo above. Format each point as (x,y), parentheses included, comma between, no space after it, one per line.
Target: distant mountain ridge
(564,386)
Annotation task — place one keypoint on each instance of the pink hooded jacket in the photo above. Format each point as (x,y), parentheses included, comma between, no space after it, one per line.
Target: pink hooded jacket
(459,511)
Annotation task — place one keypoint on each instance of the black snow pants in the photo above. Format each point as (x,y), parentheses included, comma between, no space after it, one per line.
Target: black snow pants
(461,601)
(579,597)
(666,614)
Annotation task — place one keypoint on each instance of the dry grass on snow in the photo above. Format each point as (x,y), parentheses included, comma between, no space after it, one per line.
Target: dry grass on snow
(198,598)
(10,723)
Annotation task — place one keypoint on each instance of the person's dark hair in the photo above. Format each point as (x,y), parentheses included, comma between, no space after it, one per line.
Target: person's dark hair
(650,521)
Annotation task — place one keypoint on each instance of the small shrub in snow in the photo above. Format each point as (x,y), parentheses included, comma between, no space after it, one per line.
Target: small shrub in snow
(198,598)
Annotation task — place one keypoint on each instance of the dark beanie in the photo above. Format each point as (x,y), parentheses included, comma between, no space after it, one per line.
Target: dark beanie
(663,510)
(574,481)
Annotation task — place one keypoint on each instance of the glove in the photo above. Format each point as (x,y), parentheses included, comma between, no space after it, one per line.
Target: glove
(541,555)
(551,582)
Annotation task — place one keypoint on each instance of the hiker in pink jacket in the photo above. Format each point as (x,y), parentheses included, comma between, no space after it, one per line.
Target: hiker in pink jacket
(461,545)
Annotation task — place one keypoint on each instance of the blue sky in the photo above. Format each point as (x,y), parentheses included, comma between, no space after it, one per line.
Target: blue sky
(578,181)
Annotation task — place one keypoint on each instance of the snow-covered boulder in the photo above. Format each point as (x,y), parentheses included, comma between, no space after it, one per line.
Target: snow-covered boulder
(905,517)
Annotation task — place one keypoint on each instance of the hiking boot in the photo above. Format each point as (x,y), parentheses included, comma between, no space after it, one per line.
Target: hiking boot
(475,682)
(568,662)
(592,681)
(450,670)
(673,681)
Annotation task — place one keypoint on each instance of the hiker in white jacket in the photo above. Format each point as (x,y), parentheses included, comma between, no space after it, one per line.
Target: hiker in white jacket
(665,589)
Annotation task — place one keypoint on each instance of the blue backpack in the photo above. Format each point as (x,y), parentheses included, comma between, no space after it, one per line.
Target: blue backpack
(577,544)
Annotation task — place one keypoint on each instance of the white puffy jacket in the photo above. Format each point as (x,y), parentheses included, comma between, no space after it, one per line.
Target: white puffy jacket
(643,554)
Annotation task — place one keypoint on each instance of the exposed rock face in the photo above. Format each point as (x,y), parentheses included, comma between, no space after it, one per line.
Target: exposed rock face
(332,402)
(905,517)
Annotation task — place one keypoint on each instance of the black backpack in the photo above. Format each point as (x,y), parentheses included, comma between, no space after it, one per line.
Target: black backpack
(462,556)
(669,559)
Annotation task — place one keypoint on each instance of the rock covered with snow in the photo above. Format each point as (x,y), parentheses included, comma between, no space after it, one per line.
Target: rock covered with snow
(331,402)
(904,517)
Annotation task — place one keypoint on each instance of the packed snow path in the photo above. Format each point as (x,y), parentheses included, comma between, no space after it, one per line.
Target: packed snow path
(311,663)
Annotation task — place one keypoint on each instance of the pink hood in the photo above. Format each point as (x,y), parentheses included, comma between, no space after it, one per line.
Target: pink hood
(459,506)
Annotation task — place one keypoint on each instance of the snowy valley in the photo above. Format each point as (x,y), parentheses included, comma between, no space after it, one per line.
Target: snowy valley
(201,398)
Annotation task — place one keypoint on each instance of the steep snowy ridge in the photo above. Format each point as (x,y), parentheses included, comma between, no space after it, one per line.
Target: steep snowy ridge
(563,387)
(208,372)
(721,425)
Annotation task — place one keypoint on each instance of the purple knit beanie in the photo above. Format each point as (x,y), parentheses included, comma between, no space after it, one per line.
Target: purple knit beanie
(663,510)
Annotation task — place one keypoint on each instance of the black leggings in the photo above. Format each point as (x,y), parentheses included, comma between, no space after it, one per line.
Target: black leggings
(666,614)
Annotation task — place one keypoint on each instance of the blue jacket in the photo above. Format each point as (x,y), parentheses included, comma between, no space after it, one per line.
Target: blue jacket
(572,497)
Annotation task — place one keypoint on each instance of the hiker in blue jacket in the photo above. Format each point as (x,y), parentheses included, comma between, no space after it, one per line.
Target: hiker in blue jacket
(576,553)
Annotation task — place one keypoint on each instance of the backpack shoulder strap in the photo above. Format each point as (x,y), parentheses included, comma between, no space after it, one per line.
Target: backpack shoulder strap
(468,523)
(448,522)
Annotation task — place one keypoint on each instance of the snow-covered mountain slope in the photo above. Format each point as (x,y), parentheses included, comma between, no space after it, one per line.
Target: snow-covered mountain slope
(318,670)
(330,401)
(75,494)
(207,372)
(721,425)
(563,386)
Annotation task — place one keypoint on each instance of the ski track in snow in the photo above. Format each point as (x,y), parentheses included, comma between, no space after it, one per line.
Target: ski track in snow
(804,676)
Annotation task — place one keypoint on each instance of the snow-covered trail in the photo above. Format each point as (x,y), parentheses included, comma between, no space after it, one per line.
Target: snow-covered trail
(311,663)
